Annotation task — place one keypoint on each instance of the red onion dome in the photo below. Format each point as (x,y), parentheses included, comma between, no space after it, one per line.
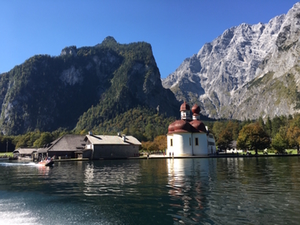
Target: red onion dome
(196,109)
(171,127)
(198,125)
(184,107)
(181,126)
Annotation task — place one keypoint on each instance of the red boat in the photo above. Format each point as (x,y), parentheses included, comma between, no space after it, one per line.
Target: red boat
(47,162)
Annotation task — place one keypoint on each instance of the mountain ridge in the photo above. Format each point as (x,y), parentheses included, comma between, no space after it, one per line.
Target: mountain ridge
(47,93)
(217,76)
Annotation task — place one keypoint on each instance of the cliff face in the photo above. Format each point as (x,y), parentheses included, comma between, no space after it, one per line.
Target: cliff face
(247,72)
(48,93)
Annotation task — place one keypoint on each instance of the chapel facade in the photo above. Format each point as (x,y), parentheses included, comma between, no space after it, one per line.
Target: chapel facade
(189,136)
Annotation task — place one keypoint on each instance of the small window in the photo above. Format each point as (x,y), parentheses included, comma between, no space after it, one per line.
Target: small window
(171,142)
(196,141)
(190,141)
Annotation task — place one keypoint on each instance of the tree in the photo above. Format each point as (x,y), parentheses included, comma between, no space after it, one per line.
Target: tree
(161,142)
(224,139)
(261,122)
(293,137)
(252,136)
(44,139)
(268,126)
(233,127)
(217,128)
(277,122)
(280,141)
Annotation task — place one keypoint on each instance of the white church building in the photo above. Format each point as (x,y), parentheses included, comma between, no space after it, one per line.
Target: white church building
(189,136)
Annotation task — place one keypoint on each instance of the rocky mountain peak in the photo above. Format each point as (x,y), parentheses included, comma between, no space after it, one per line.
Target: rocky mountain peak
(219,75)
(72,51)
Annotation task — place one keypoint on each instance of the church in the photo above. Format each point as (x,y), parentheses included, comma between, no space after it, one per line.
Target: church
(189,136)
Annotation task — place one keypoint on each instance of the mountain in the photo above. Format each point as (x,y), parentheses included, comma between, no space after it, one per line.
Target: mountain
(247,72)
(48,93)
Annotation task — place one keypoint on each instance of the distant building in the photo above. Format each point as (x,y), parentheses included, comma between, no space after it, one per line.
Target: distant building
(112,146)
(67,146)
(25,153)
(189,136)
(84,146)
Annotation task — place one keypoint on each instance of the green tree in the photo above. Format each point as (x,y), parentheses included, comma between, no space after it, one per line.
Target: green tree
(252,136)
(277,123)
(261,122)
(233,127)
(44,139)
(225,139)
(268,126)
(217,128)
(280,142)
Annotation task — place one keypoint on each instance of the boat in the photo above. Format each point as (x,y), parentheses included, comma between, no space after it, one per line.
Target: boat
(47,162)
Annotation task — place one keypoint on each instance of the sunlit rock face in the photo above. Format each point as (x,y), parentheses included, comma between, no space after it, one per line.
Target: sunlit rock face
(231,77)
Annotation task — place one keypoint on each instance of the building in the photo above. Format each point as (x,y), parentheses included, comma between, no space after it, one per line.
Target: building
(112,146)
(25,153)
(67,146)
(84,146)
(189,136)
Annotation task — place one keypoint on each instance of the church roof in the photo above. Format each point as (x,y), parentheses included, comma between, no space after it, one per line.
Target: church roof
(182,126)
(195,109)
(184,107)
(198,125)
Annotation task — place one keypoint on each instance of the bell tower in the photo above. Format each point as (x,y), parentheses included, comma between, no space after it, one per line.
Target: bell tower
(185,111)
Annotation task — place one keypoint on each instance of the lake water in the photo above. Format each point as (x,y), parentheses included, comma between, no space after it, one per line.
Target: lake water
(153,191)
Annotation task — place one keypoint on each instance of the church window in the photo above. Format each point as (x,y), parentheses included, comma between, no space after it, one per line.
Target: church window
(171,142)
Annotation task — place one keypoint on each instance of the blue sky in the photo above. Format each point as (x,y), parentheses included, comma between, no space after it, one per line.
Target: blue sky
(176,29)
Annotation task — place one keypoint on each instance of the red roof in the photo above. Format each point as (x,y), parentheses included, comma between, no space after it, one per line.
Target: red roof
(184,107)
(198,125)
(196,109)
(182,126)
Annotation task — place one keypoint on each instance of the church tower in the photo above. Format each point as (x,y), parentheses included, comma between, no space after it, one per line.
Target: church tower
(185,111)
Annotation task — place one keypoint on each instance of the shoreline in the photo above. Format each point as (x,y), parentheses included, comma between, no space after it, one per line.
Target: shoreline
(177,157)
(158,156)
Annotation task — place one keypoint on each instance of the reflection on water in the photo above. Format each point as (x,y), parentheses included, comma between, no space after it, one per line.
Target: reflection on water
(111,180)
(187,181)
(156,191)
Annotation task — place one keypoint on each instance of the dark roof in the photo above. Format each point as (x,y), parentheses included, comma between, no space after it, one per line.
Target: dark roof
(69,142)
(112,140)
(42,150)
(25,151)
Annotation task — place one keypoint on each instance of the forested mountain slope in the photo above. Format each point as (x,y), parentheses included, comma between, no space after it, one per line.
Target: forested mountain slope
(87,85)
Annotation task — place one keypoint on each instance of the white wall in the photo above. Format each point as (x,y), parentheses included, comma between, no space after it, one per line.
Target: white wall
(211,144)
(181,144)
(201,148)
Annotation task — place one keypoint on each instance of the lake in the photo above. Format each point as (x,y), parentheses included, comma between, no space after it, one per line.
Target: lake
(154,191)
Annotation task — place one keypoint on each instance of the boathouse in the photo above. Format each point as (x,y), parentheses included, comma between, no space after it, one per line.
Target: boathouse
(68,146)
(112,146)
(25,153)
(189,136)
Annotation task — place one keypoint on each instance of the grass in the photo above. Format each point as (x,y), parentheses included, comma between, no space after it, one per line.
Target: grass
(272,152)
(9,154)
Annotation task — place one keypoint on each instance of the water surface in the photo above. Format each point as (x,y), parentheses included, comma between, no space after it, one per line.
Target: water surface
(154,191)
